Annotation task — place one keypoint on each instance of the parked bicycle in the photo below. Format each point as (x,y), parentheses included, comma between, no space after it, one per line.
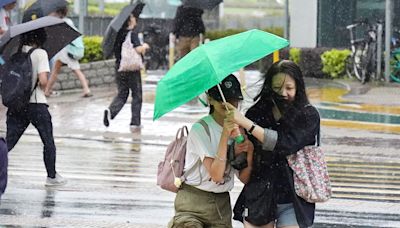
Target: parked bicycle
(362,61)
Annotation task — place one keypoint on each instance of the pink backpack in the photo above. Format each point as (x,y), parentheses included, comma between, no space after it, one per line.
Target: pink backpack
(170,173)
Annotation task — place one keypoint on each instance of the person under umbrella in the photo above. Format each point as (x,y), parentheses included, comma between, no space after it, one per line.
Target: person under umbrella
(127,80)
(117,24)
(64,57)
(37,112)
(188,26)
(36,37)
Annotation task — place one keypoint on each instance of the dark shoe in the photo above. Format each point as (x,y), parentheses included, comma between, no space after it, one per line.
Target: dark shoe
(106,118)
(135,128)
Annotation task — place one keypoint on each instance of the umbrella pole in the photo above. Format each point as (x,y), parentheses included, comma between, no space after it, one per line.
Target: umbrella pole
(222,95)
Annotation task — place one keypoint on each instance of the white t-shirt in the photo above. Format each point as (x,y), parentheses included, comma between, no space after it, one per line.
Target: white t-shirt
(200,145)
(40,64)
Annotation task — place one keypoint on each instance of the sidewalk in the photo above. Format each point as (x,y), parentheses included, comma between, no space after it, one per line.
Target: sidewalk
(387,94)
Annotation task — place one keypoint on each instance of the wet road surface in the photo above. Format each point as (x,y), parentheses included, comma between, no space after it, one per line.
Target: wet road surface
(112,172)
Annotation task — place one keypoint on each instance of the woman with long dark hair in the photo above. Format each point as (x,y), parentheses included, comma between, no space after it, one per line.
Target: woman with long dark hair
(280,123)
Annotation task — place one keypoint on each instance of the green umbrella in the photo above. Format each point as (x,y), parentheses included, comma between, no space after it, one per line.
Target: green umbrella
(209,64)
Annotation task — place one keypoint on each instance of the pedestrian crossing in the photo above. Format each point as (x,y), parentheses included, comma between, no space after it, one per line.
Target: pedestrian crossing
(116,183)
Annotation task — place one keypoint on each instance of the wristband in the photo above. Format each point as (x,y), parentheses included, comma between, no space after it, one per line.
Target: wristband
(251,128)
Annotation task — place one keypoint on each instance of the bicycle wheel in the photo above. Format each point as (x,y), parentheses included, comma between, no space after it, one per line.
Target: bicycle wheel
(359,64)
(349,67)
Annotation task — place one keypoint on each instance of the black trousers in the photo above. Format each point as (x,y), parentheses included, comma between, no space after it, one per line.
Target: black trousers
(128,81)
(39,116)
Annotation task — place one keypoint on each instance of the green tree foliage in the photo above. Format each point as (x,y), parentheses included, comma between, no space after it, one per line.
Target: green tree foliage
(294,55)
(334,62)
(93,50)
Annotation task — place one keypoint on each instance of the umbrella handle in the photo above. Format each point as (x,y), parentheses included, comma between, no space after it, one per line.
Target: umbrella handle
(222,95)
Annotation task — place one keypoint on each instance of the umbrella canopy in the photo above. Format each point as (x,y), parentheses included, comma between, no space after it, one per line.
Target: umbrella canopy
(116,25)
(201,4)
(6,2)
(41,8)
(58,34)
(209,64)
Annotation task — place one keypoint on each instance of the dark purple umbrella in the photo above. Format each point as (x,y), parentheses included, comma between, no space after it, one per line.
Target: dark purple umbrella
(201,4)
(115,25)
(41,8)
(6,2)
(58,34)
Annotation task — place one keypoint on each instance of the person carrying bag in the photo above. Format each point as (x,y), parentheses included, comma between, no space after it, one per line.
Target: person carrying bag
(203,199)
(280,124)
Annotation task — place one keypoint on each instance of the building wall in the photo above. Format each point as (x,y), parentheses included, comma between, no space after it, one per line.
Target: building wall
(303,23)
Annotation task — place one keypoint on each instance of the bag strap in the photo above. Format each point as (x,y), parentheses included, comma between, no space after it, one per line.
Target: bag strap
(198,162)
(29,53)
(317,137)
(206,128)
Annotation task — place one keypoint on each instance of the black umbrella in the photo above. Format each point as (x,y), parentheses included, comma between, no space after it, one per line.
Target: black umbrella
(115,25)
(58,34)
(41,8)
(201,4)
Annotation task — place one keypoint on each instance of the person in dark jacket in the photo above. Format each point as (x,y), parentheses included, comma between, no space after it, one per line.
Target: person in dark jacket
(127,80)
(187,27)
(280,123)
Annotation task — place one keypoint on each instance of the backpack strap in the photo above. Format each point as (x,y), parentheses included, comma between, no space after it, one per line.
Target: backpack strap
(198,162)
(37,80)
(206,128)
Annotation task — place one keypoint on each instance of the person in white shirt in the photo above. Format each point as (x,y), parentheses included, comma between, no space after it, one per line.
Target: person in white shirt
(62,58)
(5,21)
(203,200)
(37,111)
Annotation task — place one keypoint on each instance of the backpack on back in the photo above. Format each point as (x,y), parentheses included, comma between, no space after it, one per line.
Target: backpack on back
(76,49)
(170,173)
(16,86)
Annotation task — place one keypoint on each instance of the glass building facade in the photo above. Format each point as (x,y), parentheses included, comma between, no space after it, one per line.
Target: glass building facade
(335,15)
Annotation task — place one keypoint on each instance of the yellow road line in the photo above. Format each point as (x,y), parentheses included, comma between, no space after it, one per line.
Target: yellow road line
(378,127)
(366,190)
(355,175)
(372,197)
(369,166)
(351,180)
(366,185)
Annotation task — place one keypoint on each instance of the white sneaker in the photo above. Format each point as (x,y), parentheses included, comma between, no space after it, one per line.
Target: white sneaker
(56,181)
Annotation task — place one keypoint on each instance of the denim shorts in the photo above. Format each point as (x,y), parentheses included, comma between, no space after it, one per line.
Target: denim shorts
(286,215)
